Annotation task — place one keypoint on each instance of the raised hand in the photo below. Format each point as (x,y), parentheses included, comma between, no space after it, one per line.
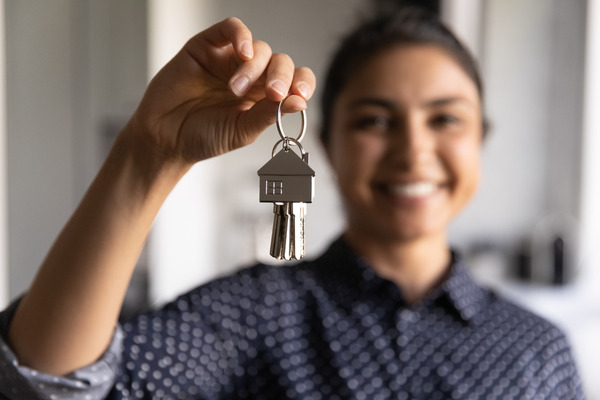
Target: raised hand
(217,94)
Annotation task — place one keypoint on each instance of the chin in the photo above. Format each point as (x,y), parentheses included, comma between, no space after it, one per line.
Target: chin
(386,224)
(405,236)
(403,231)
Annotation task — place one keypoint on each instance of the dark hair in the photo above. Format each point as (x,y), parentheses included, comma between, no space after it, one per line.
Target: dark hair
(405,26)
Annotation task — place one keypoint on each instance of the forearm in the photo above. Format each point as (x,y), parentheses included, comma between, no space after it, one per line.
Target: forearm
(66,319)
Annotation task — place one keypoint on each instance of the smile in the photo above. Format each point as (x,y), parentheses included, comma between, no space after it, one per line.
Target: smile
(416,189)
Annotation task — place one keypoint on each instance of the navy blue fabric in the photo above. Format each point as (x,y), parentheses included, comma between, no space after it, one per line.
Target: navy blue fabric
(333,329)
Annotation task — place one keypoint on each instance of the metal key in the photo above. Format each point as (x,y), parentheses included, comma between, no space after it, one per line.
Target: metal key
(287,239)
(288,182)
(279,235)
(299,210)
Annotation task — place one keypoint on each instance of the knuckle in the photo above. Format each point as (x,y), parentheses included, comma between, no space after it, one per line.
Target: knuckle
(262,46)
(235,26)
(306,73)
(232,21)
(284,58)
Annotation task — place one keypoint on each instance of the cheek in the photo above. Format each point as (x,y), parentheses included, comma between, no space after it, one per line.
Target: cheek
(355,157)
(464,160)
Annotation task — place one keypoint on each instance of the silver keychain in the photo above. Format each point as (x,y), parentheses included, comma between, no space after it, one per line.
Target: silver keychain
(287,181)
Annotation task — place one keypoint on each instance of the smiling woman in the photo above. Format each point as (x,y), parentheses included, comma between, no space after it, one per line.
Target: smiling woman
(389,311)
(405,145)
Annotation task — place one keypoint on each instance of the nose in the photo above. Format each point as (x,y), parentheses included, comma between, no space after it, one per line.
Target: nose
(410,144)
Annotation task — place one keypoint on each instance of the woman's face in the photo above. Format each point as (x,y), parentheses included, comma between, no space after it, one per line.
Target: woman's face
(405,143)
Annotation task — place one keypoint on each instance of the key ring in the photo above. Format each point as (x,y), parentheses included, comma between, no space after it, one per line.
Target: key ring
(284,137)
(286,145)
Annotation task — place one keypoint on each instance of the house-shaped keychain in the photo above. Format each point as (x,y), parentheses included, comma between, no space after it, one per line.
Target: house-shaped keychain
(286,178)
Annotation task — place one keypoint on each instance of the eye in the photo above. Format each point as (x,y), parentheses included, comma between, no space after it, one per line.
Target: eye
(444,120)
(372,122)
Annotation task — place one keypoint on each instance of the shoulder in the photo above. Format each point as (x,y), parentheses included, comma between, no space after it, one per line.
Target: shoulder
(494,313)
(524,323)
(513,339)
(532,347)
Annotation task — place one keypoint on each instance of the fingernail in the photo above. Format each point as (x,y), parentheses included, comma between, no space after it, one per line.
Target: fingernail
(304,89)
(279,87)
(239,85)
(247,49)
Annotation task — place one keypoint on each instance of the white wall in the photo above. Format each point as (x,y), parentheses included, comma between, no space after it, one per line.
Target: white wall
(4,296)
(590,162)
(465,18)
(40,146)
(73,70)
(590,210)
(182,245)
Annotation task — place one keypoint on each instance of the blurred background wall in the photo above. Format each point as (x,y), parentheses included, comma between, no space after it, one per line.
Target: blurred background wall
(75,70)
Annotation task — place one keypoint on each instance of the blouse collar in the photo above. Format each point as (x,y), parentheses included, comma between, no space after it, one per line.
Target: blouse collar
(344,269)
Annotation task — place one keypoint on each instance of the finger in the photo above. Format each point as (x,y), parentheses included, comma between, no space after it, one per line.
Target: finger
(279,77)
(304,83)
(250,71)
(231,31)
(262,115)
(293,104)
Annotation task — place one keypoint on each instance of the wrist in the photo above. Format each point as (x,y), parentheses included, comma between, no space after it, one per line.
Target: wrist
(146,166)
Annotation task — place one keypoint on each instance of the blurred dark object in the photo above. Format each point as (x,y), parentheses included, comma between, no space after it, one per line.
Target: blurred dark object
(558,248)
(554,244)
(432,6)
(523,261)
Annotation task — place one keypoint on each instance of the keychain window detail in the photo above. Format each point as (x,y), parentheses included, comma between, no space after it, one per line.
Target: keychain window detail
(274,188)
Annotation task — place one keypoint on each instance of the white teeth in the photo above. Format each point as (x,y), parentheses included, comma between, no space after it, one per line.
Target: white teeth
(416,189)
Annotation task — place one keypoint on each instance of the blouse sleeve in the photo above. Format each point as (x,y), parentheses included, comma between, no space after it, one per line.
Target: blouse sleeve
(91,382)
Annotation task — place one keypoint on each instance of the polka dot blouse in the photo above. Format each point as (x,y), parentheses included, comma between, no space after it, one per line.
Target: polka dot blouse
(333,329)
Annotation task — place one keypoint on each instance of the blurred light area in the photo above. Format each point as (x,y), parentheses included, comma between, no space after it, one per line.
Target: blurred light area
(3,184)
(464,18)
(590,198)
(589,353)
(182,244)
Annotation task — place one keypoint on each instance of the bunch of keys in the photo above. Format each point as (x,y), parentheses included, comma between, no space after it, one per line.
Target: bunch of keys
(287,181)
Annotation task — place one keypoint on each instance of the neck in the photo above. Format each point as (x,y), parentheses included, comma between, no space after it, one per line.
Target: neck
(417,266)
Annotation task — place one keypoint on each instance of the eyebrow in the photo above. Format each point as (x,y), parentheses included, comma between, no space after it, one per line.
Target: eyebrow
(374,101)
(446,100)
(371,101)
